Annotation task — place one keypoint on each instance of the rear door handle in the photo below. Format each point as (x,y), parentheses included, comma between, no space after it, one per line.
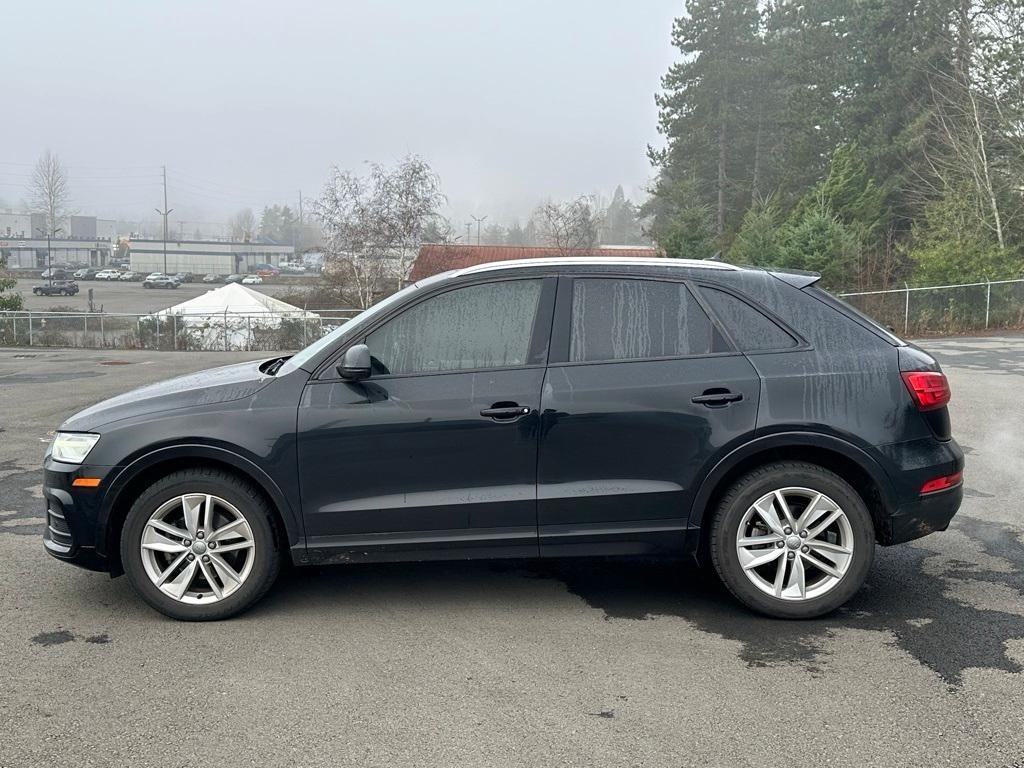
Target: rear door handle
(506,412)
(716,398)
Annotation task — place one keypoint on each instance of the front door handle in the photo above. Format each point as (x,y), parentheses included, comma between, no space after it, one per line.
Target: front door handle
(716,398)
(505,412)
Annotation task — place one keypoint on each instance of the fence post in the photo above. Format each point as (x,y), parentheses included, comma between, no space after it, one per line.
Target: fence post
(248,332)
(174,330)
(225,329)
(906,310)
(988,299)
(103,333)
(30,327)
(138,325)
(157,318)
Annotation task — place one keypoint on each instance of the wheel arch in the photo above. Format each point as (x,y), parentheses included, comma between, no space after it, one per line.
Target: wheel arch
(147,469)
(847,460)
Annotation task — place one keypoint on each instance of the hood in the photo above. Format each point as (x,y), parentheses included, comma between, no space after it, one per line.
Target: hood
(216,385)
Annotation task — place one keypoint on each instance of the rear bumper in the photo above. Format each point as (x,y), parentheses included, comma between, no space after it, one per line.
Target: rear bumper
(912,465)
(928,514)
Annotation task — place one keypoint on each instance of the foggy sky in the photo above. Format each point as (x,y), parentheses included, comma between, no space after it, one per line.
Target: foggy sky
(247,103)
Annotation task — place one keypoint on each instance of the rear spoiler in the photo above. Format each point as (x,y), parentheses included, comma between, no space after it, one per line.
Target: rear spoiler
(795,277)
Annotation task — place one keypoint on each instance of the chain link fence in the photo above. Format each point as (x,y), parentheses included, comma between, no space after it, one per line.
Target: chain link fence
(944,309)
(932,310)
(221,332)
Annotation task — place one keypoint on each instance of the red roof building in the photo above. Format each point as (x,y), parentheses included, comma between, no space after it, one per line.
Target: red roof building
(434,259)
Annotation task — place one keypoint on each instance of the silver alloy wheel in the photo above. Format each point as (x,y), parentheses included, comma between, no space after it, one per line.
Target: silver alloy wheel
(197,548)
(795,543)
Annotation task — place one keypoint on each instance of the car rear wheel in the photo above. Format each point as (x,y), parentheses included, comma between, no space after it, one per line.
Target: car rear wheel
(792,540)
(199,545)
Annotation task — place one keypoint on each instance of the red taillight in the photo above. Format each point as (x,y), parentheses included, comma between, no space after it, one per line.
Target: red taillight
(942,483)
(929,389)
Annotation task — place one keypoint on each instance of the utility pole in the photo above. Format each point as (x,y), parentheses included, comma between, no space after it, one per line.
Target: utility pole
(302,231)
(469,230)
(478,223)
(165,213)
(49,255)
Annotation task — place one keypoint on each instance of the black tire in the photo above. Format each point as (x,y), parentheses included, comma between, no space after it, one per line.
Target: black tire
(765,479)
(233,489)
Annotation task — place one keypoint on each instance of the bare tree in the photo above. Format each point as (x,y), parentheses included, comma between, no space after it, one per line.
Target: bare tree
(976,138)
(373,224)
(48,190)
(243,225)
(566,226)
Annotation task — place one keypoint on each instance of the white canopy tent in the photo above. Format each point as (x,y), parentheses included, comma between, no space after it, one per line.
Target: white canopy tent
(236,317)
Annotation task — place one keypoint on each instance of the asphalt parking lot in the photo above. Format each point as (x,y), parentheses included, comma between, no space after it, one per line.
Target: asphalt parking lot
(114,296)
(517,663)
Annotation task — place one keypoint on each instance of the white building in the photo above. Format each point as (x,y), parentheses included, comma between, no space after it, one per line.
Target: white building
(205,256)
(80,240)
(31,252)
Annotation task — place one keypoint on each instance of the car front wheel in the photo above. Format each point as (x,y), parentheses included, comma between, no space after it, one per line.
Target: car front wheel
(792,540)
(199,545)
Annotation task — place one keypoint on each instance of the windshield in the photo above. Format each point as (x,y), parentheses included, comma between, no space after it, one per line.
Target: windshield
(302,358)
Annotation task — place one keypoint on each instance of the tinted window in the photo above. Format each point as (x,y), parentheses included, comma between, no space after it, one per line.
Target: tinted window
(621,319)
(480,326)
(749,328)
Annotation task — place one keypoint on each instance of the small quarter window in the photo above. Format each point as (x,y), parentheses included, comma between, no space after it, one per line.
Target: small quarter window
(750,329)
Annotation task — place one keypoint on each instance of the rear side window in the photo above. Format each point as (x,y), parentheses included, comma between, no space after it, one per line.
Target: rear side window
(479,326)
(620,319)
(750,329)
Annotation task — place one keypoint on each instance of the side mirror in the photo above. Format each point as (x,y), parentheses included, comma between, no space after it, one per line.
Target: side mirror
(355,365)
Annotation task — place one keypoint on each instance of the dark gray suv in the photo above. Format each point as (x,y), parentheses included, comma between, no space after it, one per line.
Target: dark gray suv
(545,408)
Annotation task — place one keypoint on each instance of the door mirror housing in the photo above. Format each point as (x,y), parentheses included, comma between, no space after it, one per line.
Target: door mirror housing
(355,365)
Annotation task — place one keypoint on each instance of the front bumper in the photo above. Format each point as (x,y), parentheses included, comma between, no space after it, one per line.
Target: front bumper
(72,514)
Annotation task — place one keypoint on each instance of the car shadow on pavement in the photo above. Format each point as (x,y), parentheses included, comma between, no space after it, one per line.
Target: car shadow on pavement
(903,597)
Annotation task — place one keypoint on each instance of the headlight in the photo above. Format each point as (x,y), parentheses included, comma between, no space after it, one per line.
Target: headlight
(72,447)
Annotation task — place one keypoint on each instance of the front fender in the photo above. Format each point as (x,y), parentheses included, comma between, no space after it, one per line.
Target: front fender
(289,514)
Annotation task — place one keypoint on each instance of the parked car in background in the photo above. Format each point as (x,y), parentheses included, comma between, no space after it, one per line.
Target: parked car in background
(57,288)
(86,274)
(212,278)
(108,274)
(234,278)
(130,276)
(266,270)
(160,281)
(293,268)
(54,273)
(183,277)
(252,280)
(772,431)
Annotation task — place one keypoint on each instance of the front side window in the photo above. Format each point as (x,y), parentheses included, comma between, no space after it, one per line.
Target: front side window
(480,326)
(621,319)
